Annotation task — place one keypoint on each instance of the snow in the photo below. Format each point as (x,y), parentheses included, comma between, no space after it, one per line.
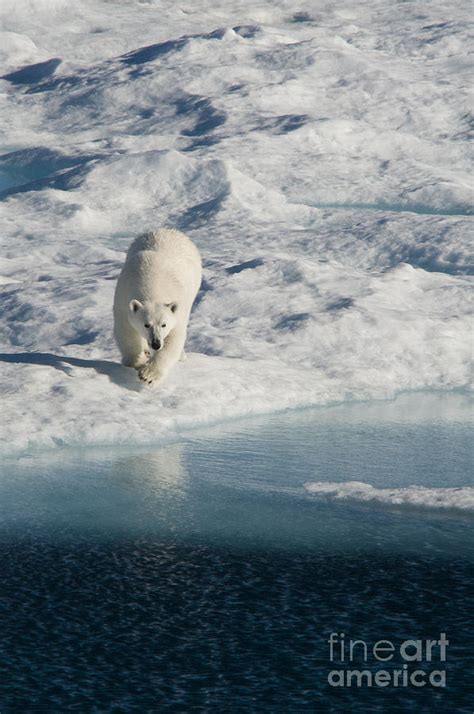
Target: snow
(461,498)
(317,156)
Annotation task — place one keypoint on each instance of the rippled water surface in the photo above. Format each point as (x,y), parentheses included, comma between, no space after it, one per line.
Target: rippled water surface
(203,576)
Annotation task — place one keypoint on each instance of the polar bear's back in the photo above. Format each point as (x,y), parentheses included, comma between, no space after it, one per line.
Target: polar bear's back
(169,243)
(161,266)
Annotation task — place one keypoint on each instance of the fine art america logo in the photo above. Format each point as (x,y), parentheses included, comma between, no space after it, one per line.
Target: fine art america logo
(409,663)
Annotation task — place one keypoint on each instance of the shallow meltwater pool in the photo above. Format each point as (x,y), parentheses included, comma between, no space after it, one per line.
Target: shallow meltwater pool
(252,566)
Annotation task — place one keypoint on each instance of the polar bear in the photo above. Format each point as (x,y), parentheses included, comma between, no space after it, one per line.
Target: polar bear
(153,298)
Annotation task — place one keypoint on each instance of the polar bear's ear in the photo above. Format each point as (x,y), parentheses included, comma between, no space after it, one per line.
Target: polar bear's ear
(173,306)
(135,305)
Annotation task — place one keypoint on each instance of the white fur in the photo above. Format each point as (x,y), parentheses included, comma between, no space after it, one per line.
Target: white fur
(157,288)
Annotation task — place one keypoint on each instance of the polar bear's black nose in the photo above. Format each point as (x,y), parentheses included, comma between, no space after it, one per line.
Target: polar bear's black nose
(156,344)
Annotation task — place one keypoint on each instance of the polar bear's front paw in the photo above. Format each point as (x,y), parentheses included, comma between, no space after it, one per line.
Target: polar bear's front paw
(149,374)
(141,360)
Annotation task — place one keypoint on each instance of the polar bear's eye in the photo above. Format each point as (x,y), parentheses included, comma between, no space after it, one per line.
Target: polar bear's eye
(147,325)
(164,324)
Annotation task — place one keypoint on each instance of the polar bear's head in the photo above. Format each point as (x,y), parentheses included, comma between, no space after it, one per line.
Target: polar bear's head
(153,321)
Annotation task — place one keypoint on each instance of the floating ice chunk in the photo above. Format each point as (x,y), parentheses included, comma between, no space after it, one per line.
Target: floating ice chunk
(461,498)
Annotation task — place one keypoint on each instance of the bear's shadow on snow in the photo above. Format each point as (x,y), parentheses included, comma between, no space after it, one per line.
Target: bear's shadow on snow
(117,373)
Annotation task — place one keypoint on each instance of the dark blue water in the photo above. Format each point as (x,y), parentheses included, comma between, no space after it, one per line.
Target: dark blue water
(201,576)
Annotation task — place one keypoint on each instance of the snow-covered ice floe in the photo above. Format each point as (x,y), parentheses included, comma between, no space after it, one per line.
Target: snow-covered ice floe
(461,498)
(316,155)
